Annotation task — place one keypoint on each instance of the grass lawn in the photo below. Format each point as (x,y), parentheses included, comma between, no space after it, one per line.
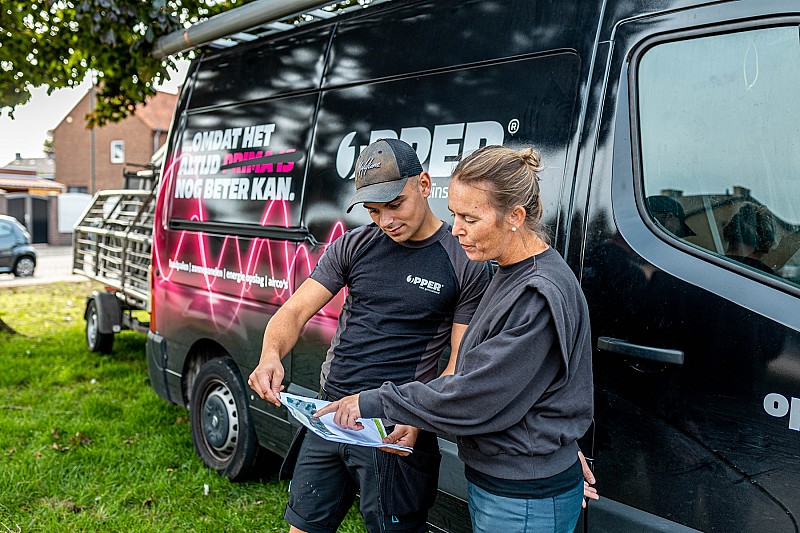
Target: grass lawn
(86,445)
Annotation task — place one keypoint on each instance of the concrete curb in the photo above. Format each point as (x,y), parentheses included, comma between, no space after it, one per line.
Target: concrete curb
(9,282)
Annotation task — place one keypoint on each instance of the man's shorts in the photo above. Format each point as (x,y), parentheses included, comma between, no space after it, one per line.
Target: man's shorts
(395,492)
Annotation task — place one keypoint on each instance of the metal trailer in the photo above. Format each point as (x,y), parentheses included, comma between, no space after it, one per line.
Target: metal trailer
(112,244)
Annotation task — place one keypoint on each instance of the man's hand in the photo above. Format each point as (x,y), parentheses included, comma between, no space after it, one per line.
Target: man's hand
(402,435)
(347,412)
(266,379)
(588,476)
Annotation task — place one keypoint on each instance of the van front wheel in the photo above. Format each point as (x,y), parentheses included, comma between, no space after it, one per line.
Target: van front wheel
(222,430)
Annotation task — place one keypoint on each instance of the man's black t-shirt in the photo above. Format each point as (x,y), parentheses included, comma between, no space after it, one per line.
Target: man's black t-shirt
(402,300)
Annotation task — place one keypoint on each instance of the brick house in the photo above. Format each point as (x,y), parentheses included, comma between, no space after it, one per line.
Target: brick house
(131,141)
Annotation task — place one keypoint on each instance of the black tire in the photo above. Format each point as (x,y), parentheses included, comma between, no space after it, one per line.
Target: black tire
(222,429)
(24,267)
(96,341)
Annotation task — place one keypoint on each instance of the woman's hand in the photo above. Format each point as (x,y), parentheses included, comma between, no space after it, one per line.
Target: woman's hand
(347,412)
(588,476)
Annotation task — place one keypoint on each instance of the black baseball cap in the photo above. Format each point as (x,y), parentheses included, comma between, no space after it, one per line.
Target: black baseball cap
(382,170)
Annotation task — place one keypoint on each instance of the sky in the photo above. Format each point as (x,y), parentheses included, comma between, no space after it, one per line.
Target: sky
(26,133)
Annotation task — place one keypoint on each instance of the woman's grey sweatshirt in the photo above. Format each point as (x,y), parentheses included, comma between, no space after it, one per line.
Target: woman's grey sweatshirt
(522,391)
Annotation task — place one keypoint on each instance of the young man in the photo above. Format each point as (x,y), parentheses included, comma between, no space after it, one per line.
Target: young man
(411,289)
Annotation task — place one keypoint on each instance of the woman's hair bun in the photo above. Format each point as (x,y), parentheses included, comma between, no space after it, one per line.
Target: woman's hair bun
(532,158)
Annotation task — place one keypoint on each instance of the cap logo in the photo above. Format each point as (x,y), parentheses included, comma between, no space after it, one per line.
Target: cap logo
(363,166)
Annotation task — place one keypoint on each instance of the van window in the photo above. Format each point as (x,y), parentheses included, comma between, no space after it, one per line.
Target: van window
(446,33)
(719,122)
(242,165)
(443,116)
(263,71)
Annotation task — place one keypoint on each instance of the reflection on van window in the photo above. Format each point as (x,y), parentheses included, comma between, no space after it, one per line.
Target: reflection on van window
(720,132)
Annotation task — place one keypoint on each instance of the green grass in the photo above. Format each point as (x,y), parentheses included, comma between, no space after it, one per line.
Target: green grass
(86,445)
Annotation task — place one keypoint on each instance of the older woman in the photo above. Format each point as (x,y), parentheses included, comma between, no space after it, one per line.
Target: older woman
(521,394)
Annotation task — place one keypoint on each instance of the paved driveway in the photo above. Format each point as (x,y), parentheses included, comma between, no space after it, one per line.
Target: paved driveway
(54,264)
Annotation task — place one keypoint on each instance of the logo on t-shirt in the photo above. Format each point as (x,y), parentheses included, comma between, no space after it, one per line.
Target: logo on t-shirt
(425,284)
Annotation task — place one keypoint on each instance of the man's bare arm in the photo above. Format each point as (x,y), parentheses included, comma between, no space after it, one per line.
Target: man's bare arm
(282,333)
(456,334)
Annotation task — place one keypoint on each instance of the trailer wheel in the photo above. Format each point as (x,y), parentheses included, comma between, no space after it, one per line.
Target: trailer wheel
(96,341)
(222,430)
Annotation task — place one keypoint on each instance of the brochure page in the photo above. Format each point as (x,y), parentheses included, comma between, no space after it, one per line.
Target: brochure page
(303,409)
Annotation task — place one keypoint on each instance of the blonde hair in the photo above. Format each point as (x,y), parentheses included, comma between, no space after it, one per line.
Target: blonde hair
(510,177)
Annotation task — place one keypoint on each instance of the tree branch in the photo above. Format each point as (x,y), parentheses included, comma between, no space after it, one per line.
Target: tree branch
(5,328)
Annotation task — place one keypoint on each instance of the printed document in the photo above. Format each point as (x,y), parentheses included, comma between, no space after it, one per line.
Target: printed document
(303,409)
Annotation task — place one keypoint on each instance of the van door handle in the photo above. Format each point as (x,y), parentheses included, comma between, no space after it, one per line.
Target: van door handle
(659,355)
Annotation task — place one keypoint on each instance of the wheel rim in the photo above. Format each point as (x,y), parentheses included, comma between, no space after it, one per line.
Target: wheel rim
(25,267)
(220,421)
(91,329)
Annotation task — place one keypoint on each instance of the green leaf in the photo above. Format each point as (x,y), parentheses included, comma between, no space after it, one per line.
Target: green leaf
(97,35)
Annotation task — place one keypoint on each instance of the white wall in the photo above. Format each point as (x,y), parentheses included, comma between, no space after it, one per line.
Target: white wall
(71,206)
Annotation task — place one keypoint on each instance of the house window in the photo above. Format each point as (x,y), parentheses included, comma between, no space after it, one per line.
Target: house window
(117,151)
(73,188)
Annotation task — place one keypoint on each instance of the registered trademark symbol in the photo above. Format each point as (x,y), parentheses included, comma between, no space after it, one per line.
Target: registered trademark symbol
(513,126)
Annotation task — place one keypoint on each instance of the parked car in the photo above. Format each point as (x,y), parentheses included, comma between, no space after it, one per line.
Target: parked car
(17,255)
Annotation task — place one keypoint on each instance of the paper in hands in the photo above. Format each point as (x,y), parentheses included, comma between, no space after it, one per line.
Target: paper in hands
(303,409)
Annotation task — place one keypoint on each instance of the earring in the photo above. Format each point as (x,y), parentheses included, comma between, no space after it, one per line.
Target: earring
(513,228)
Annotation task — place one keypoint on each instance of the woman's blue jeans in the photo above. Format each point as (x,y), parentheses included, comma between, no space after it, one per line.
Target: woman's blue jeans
(492,513)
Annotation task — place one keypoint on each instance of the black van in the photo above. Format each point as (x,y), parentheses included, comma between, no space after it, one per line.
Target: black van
(671,134)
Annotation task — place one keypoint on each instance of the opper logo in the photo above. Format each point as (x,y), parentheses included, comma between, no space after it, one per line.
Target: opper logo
(425,284)
(441,148)
(778,405)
